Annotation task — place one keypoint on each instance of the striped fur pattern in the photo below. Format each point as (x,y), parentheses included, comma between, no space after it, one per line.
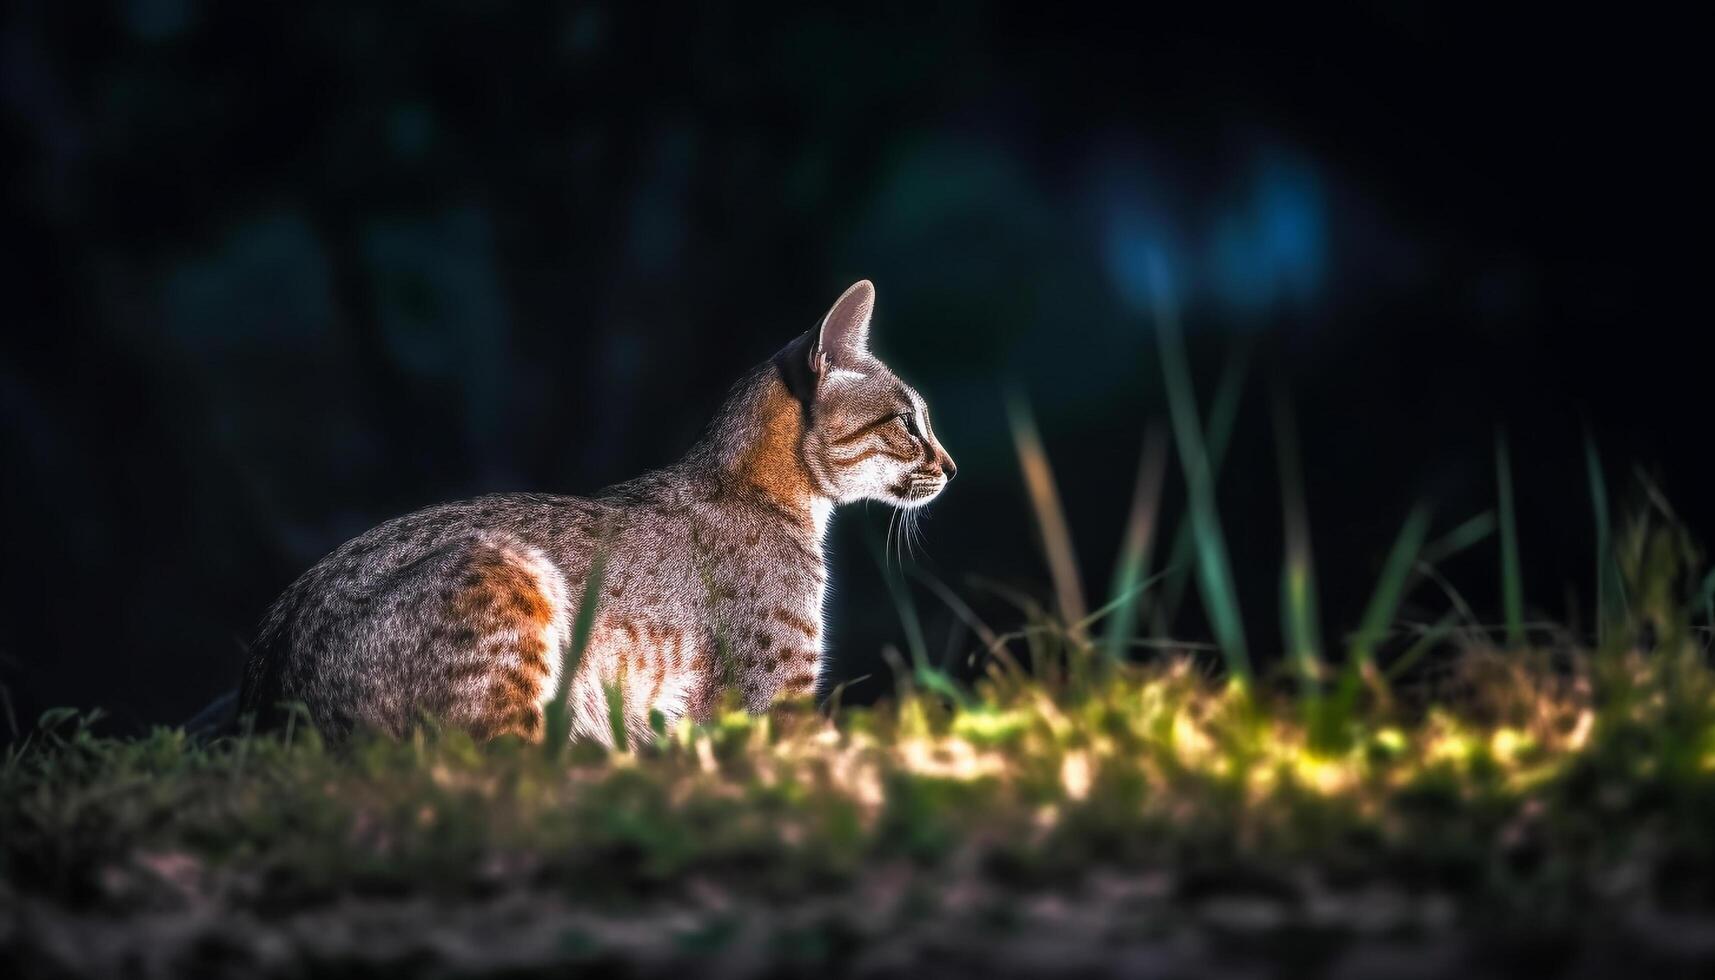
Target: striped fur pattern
(714,575)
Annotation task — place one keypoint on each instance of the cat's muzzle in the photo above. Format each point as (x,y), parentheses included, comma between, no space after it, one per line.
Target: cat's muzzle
(919,490)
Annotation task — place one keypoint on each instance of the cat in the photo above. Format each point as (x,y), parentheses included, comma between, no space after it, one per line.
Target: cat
(712,570)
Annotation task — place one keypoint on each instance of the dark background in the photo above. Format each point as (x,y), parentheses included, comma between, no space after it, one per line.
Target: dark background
(277,272)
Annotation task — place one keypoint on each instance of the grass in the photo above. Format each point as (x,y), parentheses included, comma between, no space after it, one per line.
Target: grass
(1300,621)
(1214,573)
(1512,596)
(1539,794)
(1450,796)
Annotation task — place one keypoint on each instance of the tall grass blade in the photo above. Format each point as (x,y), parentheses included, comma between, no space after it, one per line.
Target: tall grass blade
(1512,587)
(1298,599)
(1214,573)
(615,695)
(1050,516)
(557,723)
(1390,588)
(1333,718)
(1117,602)
(1467,535)
(1223,416)
(1136,547)
(1609,602)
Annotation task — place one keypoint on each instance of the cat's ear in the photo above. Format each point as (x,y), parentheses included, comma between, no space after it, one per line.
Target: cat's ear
(843,338)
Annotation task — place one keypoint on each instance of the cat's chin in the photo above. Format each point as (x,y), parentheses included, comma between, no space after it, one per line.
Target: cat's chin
(916,496)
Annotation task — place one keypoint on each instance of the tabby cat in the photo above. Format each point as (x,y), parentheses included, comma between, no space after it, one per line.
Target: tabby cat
(712,579)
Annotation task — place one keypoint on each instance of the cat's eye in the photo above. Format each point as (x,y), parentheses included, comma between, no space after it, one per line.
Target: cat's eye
(910,420)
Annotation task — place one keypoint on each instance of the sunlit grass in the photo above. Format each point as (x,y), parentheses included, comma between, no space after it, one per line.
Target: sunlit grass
(1136,547)
(1213,570)
(1051,526)
(1299,603)
(1123,771)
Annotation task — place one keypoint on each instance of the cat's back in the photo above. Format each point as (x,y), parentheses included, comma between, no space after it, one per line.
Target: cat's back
(373,562)
(372,634)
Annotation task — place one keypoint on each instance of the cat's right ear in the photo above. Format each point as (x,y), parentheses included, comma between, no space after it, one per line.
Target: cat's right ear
(843,338)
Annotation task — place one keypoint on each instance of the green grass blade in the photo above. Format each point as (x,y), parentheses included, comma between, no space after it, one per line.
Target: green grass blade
(1223,416)
(1333,718)
(1467,535)
(1512,586)
(1050,516)
(557,723)
(1298,599)
(933,679)
(615,694)
(1214,573)
(1132,594)
(1390,588)
(1607,571)
(1137,545)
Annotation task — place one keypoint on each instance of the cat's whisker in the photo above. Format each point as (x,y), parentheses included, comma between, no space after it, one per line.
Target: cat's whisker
(906,552)
(904,534)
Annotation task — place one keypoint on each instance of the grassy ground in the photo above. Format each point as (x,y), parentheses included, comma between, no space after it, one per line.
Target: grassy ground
(1534,811)
(1437,799)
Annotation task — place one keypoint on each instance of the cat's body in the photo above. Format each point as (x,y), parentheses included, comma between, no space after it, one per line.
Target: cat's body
(713,572)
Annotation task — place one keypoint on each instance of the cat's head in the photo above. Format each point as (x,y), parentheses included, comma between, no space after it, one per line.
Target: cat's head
(868,435)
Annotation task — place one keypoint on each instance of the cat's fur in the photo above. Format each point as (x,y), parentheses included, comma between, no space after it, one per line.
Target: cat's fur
(714,575)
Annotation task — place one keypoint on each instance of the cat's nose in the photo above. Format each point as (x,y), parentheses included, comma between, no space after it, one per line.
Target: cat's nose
(947,466)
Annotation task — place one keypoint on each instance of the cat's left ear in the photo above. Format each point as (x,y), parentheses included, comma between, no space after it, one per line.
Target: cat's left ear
(843,338)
